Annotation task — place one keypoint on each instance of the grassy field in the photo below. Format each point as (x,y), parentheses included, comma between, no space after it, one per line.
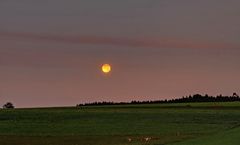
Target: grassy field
(155,124)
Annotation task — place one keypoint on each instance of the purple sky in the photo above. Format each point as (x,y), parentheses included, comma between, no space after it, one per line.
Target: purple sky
(51,51)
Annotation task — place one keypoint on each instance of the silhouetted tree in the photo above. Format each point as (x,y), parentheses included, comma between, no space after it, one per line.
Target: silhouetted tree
(235,95)
(8,105)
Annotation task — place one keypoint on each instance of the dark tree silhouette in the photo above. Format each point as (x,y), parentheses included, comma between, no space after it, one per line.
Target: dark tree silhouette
(187,99)
(235,95)
(8,105)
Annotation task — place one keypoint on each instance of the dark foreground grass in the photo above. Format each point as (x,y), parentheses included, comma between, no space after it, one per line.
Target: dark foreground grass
(229,137)
(115,125)
(89,140)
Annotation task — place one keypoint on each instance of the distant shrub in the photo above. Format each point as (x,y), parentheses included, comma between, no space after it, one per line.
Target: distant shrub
(8,105)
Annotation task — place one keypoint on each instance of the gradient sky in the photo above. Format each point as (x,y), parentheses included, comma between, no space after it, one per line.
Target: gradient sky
(51,50)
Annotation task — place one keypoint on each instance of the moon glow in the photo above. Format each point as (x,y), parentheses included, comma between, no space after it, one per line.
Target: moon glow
(106,68)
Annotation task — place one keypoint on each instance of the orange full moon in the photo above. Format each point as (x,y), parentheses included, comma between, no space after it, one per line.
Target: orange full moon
(106,68)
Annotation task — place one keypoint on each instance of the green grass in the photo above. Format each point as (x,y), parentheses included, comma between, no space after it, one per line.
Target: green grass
(229,137)
(187,123)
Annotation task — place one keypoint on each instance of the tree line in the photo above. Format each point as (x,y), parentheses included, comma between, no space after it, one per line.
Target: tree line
(185,99)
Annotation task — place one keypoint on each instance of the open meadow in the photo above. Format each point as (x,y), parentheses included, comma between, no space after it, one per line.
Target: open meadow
(150,124)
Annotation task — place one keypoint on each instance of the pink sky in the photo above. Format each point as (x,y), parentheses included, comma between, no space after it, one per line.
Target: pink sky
(50,53)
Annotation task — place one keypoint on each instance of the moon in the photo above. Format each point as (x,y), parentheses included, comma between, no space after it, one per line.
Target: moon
(106,68)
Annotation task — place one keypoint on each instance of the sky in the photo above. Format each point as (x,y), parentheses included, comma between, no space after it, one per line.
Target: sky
(51,51)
